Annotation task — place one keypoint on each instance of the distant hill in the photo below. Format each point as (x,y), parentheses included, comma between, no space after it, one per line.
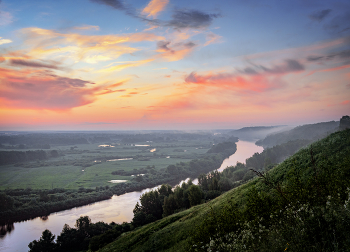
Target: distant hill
(254,133)
(302,204)
(310,132)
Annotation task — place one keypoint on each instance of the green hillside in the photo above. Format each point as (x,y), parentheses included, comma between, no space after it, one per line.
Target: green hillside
(311,132)
(299,205)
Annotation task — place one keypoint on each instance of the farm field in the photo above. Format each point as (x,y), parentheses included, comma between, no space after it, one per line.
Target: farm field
(91,165)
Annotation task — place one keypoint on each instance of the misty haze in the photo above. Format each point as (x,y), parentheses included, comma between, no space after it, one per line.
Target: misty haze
(165,125)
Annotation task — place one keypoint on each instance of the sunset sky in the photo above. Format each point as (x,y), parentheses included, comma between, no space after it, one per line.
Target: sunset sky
(163,64)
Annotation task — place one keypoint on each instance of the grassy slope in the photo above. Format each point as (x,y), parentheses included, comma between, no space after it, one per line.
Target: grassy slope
(173,232)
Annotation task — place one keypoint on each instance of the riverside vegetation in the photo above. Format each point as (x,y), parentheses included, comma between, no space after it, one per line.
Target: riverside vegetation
(81,177)
(301,204)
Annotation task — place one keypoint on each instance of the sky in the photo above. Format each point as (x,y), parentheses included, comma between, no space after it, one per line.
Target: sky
(165,64)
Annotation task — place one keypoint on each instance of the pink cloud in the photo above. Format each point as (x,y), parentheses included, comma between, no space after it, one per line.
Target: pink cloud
(257,83)
(154,7)
(41,89)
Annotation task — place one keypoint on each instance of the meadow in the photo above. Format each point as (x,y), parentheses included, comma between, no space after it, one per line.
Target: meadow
(87,165)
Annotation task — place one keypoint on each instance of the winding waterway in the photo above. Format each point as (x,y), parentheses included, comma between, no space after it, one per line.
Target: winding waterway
(117,209)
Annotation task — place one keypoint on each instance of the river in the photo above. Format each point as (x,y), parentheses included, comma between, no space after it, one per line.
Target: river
(117,209)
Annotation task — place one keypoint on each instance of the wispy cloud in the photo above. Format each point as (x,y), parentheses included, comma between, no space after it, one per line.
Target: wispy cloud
(290,65)
(212,38)
(176,51)
(154,7)
(123,66)
(116,4)
(235,82)
(87,27)
(4,41)
(35,64)
(43,43)
(320,15)
(191,19)
(340,24)
(181,18)
(5,18)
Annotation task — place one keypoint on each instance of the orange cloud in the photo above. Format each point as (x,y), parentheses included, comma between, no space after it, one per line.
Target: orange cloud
(336,68)
(41,89)
(123,66)
(154,7)
(240,83)
(77,47)
(87,27)
(212,38)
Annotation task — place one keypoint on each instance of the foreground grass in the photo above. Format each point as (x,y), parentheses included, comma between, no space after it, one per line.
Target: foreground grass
(172,233)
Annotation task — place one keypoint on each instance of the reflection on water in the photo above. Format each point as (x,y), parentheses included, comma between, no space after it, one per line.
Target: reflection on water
(16,237)
(44,218)
(117,209)
(5,229)
(244,150)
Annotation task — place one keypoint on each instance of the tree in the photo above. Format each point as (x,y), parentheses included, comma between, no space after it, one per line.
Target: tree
(67,240)
(6,202)
(82,224)
(150,204)
(169,205)
(45,243)
(139,219)
(172,169)
(203,181)
(165,190)
(194,195)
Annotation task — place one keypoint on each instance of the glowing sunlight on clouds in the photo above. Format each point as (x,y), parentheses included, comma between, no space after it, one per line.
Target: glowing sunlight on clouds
(154,7)
(159,64)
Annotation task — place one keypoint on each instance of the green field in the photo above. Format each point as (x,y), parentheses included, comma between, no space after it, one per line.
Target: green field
(87,165)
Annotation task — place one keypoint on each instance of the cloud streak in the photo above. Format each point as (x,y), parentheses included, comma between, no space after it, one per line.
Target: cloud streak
(116,4)
(185,18)
(154,7)
(173,52)
(191,19)
(5,41)
(320,15)
(43,43)
(29,63)
(123,66)
(234,82)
